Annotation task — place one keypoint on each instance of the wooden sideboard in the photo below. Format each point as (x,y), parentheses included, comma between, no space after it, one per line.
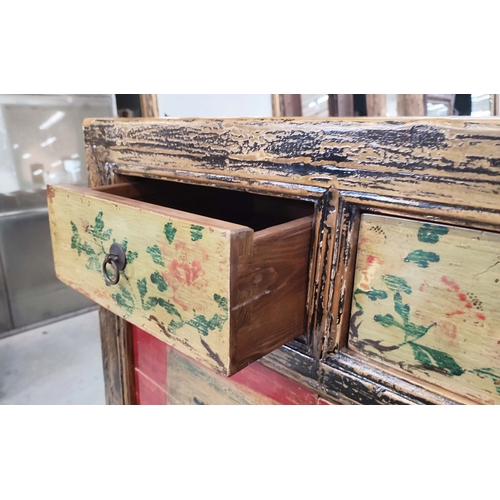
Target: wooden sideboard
(375,280)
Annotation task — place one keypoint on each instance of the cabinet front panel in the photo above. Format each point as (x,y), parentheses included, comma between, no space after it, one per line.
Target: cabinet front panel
(426,301)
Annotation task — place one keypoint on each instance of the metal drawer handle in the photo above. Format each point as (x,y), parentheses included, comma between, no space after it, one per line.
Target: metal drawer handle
(115,257)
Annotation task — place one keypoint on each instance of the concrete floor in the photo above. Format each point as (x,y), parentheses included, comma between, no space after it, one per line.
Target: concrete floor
(56,364)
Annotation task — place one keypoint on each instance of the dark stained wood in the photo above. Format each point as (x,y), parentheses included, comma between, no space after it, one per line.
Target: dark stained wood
(149,105)
(429,169)
(271,291)
(118,359)
(348,380)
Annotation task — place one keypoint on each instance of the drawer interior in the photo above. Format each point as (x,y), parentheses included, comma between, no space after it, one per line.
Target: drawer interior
(252,210)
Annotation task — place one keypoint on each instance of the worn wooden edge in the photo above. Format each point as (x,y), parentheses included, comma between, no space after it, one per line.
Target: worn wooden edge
(422,159)
(118,359)
(241,249)
(346,380)
(398,381)
(465,216)
(143,206)
(326,267)
(343,281)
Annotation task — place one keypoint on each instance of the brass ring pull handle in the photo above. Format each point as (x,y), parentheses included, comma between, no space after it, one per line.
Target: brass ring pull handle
(116,258)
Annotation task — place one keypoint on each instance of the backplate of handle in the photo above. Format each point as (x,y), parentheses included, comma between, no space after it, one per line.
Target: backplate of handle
(117,260)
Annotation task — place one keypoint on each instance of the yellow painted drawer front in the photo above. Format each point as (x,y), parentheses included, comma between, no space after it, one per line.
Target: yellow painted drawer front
(176,282)
(214,290)
(426,300)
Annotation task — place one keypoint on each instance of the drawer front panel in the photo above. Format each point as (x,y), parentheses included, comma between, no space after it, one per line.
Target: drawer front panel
(176,283)
(425,301)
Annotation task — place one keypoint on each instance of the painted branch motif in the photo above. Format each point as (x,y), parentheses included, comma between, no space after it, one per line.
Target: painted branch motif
(162,288)
(424,301)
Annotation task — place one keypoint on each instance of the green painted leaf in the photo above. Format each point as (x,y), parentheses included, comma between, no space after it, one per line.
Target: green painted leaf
(76,242)
(420,355)
(94,264)
(123,244)
(173,326)
(422,258)
(142,287)
(387,320)
(372,294)
(97,230)
(150,303)
(430,234)
(221,302)
(158,280)
(443,360)
(402,309)
(414,332)
(169,307)
(131,256)
(124,300)
(156,255)
(204,326)
(87,249)
(170,232)
(396,284)
(196,232)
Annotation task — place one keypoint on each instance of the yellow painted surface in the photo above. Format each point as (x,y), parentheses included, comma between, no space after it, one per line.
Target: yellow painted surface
(177,279)
(426,300)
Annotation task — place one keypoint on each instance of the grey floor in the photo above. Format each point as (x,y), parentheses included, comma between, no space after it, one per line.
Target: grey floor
(59,363)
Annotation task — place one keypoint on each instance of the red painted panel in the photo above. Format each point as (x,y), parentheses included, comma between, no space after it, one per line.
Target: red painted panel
(148,393)
(150,356)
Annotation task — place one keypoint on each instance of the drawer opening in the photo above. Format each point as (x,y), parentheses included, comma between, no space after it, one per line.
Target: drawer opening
(220,275)
(252,210)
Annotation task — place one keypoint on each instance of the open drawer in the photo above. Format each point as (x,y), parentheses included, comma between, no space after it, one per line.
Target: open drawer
(196,274)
